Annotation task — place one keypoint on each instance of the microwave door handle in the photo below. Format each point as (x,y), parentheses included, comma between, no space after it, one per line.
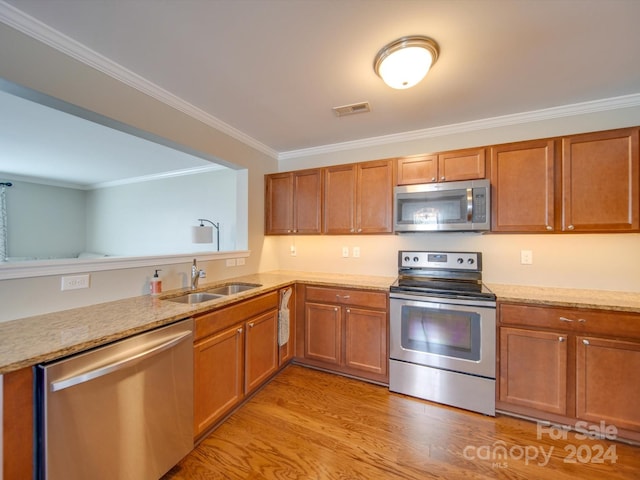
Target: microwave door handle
(469,204)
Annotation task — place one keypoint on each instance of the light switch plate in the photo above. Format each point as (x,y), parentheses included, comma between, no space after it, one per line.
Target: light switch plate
(345,251)
(526,257)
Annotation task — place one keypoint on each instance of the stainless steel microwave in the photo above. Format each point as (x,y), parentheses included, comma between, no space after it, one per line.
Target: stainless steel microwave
(450,206)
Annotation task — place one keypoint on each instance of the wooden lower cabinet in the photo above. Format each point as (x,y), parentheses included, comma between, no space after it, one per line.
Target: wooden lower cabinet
(568,364)
(218,376)
(608,381)
(345,331)
(534,369)
(18,425)
(235,352)
(261,349)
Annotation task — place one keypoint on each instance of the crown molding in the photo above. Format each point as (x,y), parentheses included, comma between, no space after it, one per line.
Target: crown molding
(34,28)
(606,104)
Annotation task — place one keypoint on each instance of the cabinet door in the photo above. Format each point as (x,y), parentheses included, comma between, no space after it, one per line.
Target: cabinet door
(418,169)
(339,199)
(461,165)
(366,340)
(278,204)
(218,374)
(600,180)
(522,177)
(307,202)
(608,381)
(374,200)
(261,349)
(323,333)
(533,369)
(18,424)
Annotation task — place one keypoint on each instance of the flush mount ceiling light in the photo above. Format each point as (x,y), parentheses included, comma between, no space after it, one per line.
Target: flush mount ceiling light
(405,61)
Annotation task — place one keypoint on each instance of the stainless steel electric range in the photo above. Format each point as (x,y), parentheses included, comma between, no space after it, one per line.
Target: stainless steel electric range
(443,330)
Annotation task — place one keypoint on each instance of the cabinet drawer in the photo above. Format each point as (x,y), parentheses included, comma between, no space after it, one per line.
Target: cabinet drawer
(216,320)
(364,298)
(582,321)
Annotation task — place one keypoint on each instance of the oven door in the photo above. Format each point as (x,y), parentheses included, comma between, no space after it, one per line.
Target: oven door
(450,334)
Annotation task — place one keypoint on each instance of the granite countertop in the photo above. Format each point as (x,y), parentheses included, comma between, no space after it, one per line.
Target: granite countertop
(43,338)
(568,297)
(28,341)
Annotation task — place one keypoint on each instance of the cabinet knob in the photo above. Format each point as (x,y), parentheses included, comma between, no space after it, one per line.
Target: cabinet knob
(335,309)
(288,231)
(571,227)
(251,325)
(348,310)
(352,230)
(565,319)
(585,341)
(561,339)
(549,227)
(239,330)
(582,320)
(433,179)
(442,178)
(359,230)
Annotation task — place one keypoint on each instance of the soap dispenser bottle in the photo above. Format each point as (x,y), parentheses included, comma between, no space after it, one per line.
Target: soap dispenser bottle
(156,284)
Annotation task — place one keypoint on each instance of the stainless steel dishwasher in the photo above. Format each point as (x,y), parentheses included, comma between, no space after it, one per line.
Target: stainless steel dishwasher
(122,411)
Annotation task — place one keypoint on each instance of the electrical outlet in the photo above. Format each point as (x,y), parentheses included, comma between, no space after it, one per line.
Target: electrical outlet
(356,252)
(240,261)
(292,249)
(345,252)
(75,282)
(231,262)
(202,274)
(526,257)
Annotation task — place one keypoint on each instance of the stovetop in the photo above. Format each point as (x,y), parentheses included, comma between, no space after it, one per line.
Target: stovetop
(441,274)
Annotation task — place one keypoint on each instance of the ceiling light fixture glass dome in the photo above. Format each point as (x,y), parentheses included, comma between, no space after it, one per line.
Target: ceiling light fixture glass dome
(404,62)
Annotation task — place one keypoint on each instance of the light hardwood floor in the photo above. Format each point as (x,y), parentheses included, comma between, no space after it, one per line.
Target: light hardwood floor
(307,424)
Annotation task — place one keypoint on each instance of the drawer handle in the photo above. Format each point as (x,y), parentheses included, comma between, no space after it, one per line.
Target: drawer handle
(582,320)
(565,319)
(345,297)
(585,341)
(561,339)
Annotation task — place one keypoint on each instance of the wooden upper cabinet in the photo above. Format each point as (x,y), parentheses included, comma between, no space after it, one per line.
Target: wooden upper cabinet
(451,166)
(461,165)
(522,180)
(293,202)
(374,197)
(340,199)
(600,181)
(417,169)
(358,198)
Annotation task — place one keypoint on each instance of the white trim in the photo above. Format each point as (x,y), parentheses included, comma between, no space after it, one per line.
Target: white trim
(156,176)
(613,103)
(40,31)
(43,268)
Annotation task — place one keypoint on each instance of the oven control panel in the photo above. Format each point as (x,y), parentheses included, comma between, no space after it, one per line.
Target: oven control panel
(440,260)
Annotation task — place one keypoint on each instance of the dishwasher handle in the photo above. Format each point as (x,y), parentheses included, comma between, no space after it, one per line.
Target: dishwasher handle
(117,365)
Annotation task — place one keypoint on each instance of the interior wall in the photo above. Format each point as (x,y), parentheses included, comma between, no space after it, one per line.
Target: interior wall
(44,221)
(155,217)
(30,63)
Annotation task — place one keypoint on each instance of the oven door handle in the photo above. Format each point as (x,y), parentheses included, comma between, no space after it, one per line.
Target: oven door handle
(469,204)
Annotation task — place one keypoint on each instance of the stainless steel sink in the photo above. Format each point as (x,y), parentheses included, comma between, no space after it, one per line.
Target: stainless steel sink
(192,298)
(233,288)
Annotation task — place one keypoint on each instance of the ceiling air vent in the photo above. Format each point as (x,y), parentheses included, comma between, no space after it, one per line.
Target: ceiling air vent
(362,107)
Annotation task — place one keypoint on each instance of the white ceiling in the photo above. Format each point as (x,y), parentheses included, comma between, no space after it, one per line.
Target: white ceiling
(273,69)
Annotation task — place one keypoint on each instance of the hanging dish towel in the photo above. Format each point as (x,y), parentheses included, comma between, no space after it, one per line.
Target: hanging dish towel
(283,317)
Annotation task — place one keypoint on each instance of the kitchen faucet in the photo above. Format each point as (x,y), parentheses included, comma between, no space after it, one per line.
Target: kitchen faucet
(195,275)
